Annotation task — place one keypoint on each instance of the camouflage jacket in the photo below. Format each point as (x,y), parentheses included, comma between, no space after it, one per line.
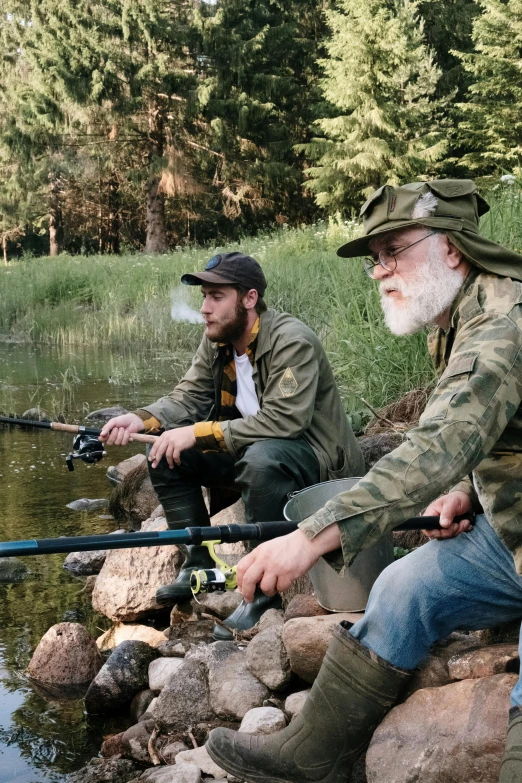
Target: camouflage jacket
(295,388)
(471,425)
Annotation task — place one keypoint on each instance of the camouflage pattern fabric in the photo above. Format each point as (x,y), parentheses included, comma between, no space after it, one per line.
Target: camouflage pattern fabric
(472,423)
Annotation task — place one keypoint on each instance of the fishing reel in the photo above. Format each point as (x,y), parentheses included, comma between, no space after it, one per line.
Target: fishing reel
(212,580)
(87,448)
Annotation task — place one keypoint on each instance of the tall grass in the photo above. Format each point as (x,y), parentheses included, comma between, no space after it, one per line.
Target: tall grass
(125,301)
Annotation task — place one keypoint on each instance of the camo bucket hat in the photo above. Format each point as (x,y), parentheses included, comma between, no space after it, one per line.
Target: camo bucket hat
(459,207)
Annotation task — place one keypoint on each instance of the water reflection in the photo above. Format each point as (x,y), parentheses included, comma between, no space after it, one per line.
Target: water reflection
(43,737)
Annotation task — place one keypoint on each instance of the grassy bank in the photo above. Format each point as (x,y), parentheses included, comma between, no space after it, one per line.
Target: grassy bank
(126,301)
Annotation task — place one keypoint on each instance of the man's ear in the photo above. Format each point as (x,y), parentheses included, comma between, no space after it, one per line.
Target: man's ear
(453,255)
(250,299)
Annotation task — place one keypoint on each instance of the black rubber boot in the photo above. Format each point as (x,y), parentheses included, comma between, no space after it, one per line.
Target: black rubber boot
(196,558)
(247,615)
(351,695)
(184,507)
(511,770)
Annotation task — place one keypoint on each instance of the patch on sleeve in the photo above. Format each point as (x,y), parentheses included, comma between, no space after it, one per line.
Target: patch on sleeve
(288,384)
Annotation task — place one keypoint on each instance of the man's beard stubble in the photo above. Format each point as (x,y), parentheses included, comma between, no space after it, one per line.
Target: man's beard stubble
(232,330)
(428,294)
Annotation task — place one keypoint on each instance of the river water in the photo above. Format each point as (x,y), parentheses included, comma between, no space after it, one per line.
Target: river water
(43,738)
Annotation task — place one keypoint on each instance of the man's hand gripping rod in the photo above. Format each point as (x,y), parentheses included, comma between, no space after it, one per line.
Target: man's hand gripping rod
(86,445)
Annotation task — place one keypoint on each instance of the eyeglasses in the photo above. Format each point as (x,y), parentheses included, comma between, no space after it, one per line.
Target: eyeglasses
(387,259)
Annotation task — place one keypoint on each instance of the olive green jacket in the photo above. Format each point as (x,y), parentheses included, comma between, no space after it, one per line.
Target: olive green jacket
(472,424)
(296,391)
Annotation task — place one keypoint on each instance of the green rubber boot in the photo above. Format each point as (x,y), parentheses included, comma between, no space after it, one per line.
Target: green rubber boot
(511,770)
(351,695)
(247,615)
(196,558)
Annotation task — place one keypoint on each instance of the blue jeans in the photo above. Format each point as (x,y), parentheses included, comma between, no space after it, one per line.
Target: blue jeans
(466,583)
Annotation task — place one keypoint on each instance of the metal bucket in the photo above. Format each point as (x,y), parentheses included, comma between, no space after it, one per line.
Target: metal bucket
(349,592)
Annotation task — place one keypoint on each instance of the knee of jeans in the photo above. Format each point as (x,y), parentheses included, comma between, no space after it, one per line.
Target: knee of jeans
(395,596)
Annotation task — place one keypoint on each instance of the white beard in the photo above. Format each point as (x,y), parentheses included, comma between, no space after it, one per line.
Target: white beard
(427,294)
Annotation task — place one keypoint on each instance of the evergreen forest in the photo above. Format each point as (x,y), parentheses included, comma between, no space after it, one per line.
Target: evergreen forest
(130,125)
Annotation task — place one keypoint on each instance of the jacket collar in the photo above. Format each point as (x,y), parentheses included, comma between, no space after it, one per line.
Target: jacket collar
(264,338)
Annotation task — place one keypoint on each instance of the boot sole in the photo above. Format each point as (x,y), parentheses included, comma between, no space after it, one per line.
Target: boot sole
(240,773)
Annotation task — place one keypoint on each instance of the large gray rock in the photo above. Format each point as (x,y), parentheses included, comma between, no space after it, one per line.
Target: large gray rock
(161,670)
(211,654)
(105,771)
(135,741)
(85,563)
(441,735)
(267,657)
(484,662)
(184,700)
(140,703)
(12,570)
(65,655)
(174,773)
(200,758)
(434,671)
(295,702)
(304,606)
(233,688)
(306,640)
(126,586)
(124,674)
(173,648)
(263,720)
(221,604)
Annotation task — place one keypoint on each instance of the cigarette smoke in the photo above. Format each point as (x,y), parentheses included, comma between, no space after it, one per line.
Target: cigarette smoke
(181,310)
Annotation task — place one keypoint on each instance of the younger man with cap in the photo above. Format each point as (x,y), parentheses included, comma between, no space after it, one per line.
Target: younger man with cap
(435,268)
(258,412)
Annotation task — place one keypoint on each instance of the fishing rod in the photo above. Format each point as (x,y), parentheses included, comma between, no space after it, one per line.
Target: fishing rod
(86,445)
(208,580)
(225,534)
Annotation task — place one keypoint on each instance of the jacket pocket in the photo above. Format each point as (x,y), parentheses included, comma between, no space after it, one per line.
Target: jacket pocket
(450,383)
(341,471)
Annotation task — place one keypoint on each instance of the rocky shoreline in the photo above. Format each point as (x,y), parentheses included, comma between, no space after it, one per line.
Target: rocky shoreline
(175,683)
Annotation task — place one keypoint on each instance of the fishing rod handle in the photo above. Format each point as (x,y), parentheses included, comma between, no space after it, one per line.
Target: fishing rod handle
(431,523)
(139,437)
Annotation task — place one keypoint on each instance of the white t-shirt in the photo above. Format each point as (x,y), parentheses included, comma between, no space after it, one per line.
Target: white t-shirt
(246,400)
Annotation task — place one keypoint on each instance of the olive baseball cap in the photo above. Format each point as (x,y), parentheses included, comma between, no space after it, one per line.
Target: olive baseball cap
(458,209)
(230,269)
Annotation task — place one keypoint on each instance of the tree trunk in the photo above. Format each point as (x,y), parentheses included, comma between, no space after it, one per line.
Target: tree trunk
(113,233)
(156,237)
(55,217)
(4,247)
(156,241)
(55,233)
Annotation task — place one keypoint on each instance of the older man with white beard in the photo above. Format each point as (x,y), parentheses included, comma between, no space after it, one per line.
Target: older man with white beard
(433,268)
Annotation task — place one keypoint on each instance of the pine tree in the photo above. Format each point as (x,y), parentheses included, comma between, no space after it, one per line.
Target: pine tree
(116,76)
(379,79)
(492,130)
(258,98)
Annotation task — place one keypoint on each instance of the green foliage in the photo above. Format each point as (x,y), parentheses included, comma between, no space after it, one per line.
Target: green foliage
(493,127)
(125,302)
(382,78)
(257,98)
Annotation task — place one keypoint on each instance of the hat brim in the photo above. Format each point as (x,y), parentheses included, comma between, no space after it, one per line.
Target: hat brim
(361,246)
(206,277)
